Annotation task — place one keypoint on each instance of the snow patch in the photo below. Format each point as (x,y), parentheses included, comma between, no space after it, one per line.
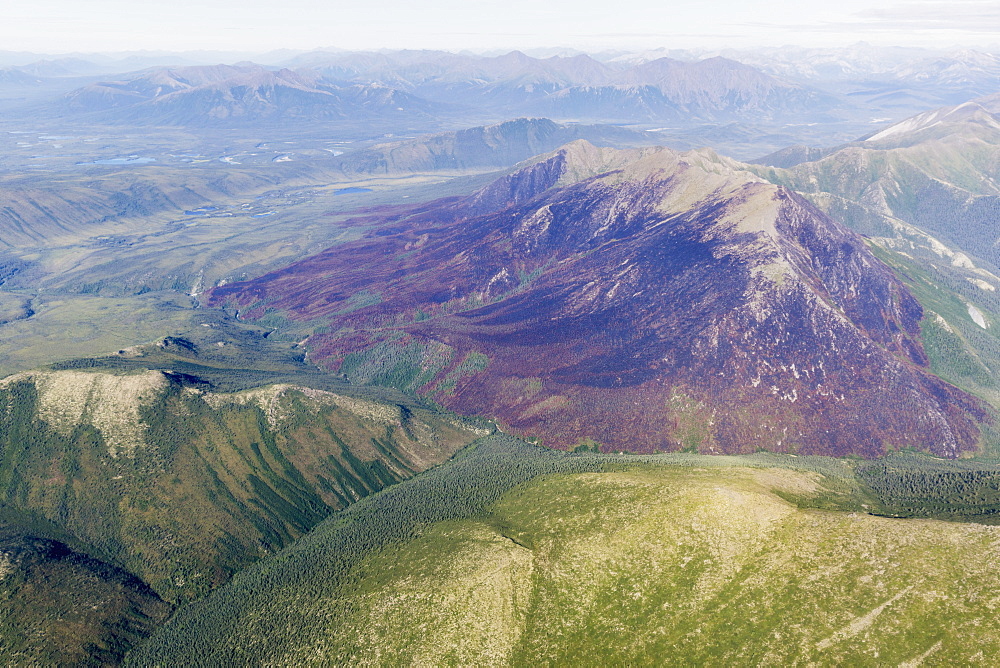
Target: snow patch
(918,122)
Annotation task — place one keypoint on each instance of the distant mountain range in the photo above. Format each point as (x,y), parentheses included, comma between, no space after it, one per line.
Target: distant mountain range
(882,80)
(582,87)
(365,86)
(883,77)
(772,85)
(637,299)
(237,94)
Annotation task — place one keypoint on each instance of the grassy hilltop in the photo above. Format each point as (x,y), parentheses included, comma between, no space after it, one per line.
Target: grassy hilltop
(511,554)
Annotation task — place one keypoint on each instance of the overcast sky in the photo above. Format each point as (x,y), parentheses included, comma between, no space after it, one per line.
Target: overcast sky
(61,26)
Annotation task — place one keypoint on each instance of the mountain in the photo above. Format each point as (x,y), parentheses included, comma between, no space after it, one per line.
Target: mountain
(61,607)
(924,192)
(499,145)
(947,123)
(963,74)
(510,555)
(237,94)
(642,300)
(872,82)
(719,86)
(938,170)
(580,87)
(136,482)
(439,69)
(616,103)
(667,89)
(791,156)
(184,476)
(11,78)
(133,483)
(404,91)
(62,67)
(858,62)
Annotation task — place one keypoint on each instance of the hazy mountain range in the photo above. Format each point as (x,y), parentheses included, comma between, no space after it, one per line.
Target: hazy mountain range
(237,95)
(355,87)
(776,80)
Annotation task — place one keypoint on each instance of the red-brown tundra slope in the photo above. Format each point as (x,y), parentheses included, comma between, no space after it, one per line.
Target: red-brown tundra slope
(644,300)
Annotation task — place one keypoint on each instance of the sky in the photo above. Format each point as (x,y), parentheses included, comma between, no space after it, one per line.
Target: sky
(64,26)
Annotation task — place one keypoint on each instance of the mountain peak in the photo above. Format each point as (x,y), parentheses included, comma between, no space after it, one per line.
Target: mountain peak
(700,170)
(640,298)
(938,121)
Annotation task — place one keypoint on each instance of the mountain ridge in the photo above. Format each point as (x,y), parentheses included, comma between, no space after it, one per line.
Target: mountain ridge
(385,86)
(722,275)
(241,94)
(183,484)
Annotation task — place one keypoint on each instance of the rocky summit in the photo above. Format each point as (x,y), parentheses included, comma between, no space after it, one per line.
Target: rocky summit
(636,300)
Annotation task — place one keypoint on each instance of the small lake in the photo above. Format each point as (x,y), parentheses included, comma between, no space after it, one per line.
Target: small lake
(130,160)
(201,211)
(352,191)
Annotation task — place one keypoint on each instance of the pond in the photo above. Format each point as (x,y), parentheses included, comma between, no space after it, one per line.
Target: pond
(130,160)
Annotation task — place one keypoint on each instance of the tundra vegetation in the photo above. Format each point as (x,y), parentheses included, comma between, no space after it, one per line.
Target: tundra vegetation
(139,482)
(510,553)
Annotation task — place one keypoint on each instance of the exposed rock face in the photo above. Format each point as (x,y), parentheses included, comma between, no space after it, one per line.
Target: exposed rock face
(643,299)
